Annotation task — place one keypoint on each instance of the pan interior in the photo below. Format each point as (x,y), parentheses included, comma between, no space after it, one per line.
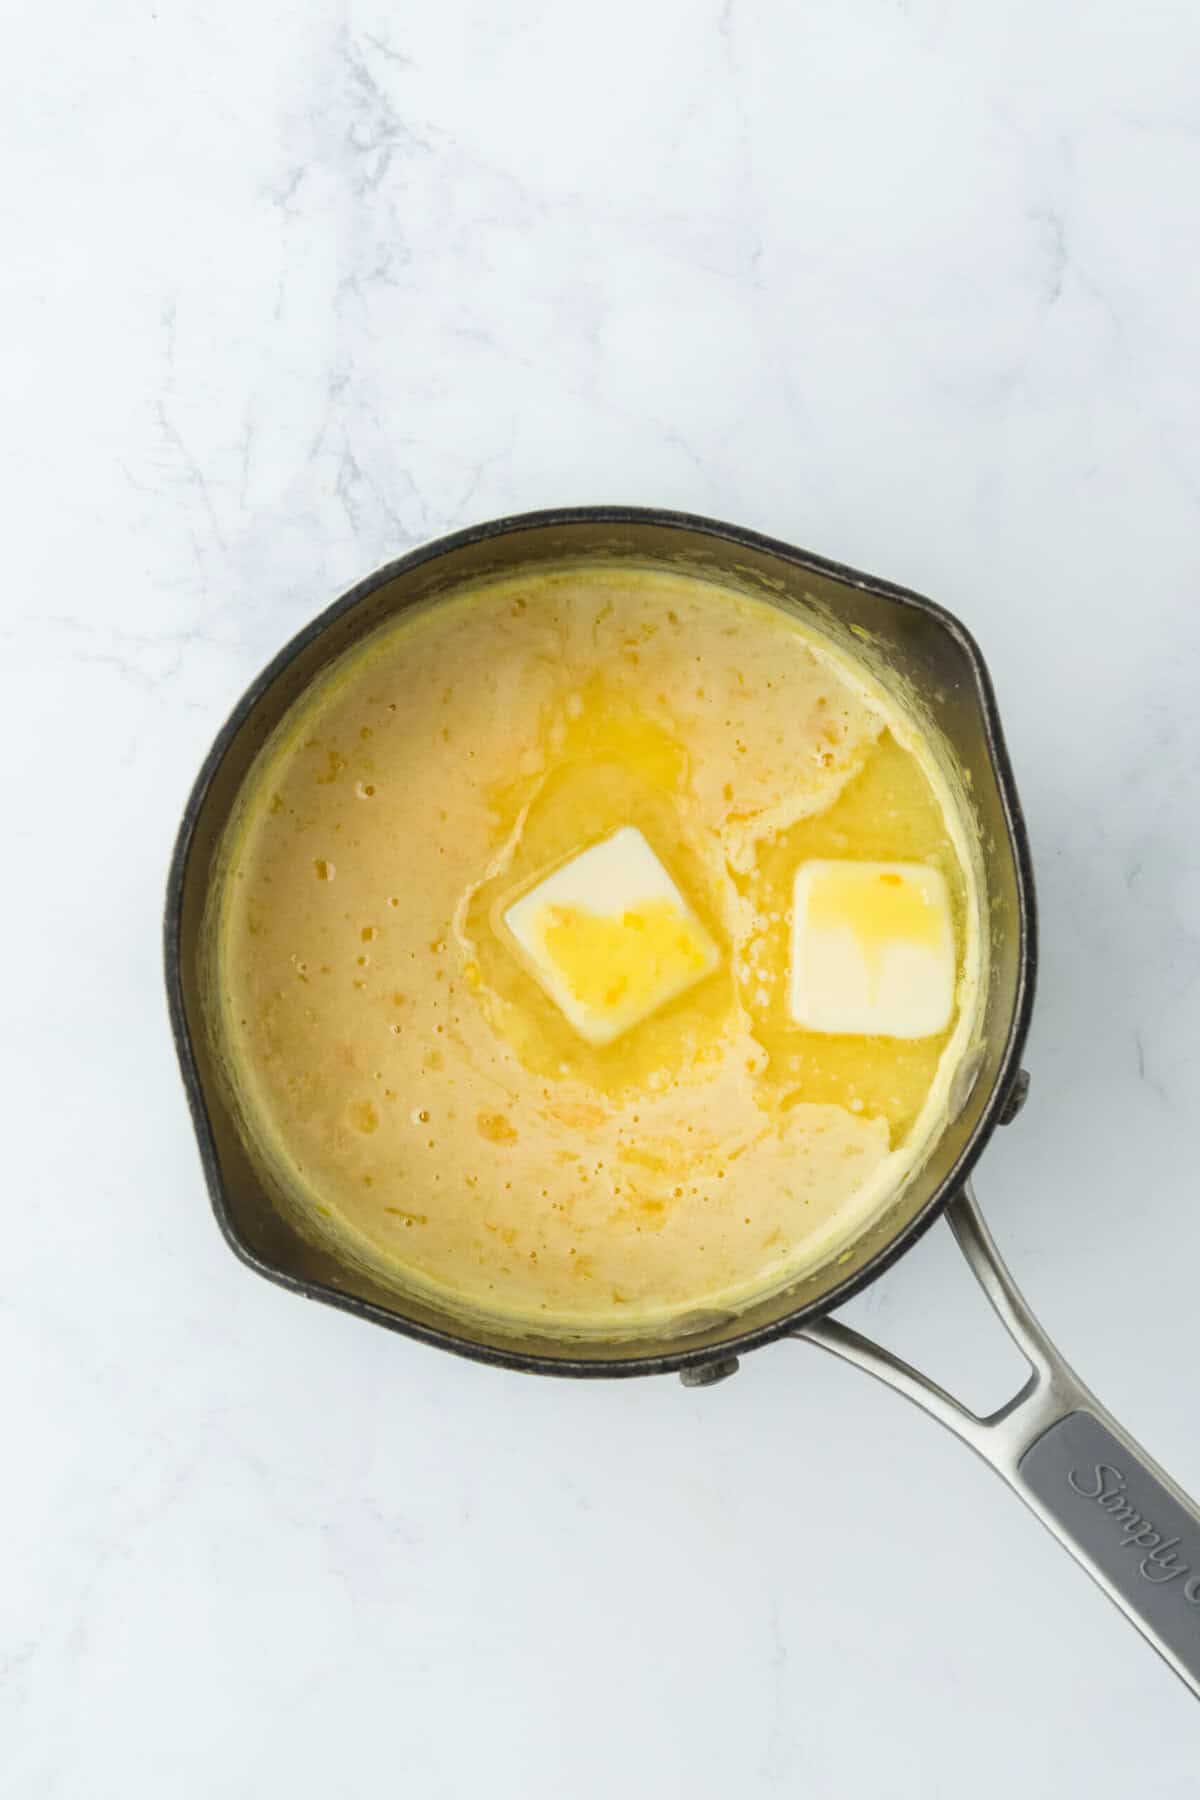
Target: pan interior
(907,643)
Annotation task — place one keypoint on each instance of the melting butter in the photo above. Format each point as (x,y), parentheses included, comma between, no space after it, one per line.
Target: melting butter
(610,963)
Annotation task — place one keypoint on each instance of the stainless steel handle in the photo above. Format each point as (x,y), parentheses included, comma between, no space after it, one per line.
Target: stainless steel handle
(1134,1531)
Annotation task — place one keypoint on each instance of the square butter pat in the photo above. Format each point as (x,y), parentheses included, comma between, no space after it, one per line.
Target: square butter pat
(872,949)
(610,938)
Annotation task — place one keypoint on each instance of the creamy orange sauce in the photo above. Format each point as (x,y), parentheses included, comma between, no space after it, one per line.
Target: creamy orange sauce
(411,1085)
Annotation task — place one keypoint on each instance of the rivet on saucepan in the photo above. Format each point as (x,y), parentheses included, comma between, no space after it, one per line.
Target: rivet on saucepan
(1018,1093)
(708,1374)
(965,1077)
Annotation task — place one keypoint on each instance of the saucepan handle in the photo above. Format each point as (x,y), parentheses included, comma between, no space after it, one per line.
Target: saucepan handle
(1120,1515)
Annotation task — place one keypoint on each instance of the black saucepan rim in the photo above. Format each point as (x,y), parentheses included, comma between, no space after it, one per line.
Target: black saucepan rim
(736,1343)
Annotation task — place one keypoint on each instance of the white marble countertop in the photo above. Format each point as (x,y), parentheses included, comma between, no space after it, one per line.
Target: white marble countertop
(292,288)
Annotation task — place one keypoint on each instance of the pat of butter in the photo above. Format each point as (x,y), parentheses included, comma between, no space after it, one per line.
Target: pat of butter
(610,938)
(872,949)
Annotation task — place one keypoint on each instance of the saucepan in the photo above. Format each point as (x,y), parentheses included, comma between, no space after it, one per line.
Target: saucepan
(1113,1508)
